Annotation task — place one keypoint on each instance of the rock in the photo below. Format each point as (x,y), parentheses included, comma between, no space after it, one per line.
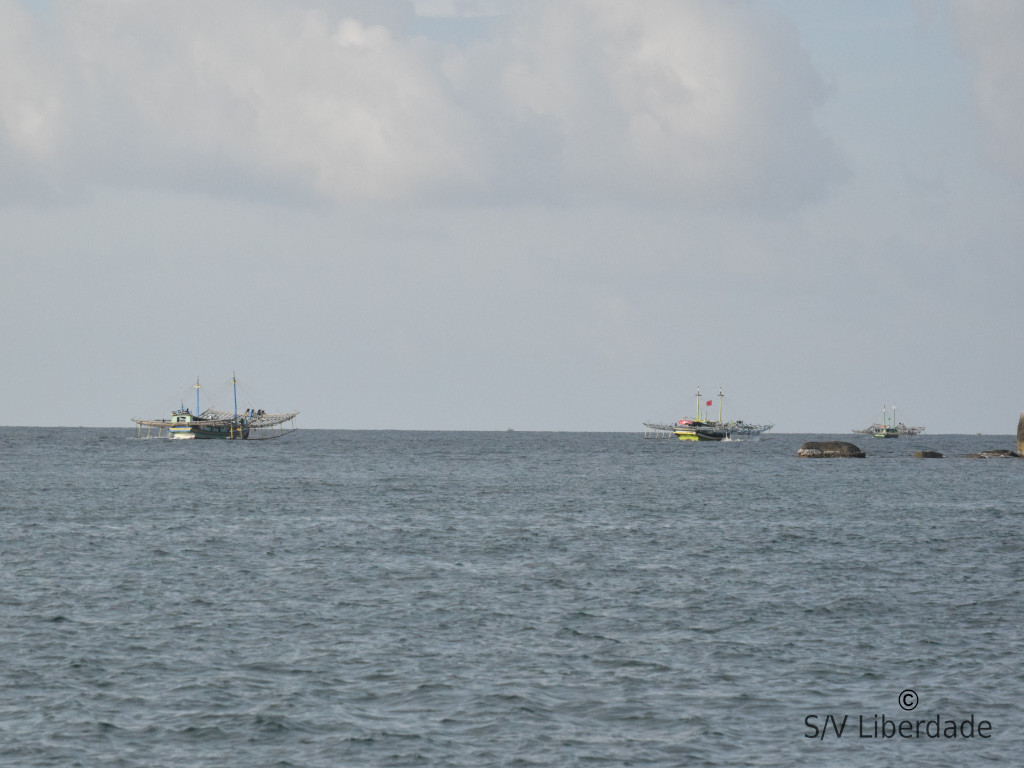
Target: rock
(830,449)
(928,455)
(997,453)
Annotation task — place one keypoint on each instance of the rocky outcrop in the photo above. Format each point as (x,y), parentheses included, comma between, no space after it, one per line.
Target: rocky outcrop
(830,449)
(927,455)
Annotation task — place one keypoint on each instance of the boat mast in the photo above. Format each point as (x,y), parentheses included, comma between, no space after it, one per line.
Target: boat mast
(234,389)
(720,396)
(196,388)
(698,404)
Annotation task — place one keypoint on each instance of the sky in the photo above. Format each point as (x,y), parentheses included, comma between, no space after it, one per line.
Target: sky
(492,214)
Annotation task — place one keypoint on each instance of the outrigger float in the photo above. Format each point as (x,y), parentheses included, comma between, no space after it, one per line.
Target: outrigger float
(250,424)
(703,429)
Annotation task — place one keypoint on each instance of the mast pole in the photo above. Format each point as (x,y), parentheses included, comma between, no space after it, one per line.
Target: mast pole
(196,385)
(234,389)
(698,404)
(720,396)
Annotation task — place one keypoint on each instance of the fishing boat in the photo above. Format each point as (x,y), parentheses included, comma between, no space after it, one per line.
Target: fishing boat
(901,429)
(701,428)
(889,427)
(214,424)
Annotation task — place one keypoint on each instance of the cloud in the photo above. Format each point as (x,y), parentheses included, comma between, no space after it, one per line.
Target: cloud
(697,102)
(460,8)
(31,108)
(285,93)
(991,33)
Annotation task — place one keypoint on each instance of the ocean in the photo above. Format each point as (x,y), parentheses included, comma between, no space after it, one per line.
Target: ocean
(389,598)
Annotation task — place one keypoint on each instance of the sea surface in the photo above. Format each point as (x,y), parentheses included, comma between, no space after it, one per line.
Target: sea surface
(349,598)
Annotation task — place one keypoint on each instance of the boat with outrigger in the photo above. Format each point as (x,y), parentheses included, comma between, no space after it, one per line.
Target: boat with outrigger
(888,428)
(702,428)
(213,424)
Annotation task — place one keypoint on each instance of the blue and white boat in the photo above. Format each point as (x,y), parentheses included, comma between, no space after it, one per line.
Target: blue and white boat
(213,424)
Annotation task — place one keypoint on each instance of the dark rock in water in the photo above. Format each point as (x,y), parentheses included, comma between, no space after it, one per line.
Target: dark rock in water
(928,455)
(999,453)
(830,449)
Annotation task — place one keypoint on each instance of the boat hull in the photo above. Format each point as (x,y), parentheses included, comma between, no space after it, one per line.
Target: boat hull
(713,435)
(219,432)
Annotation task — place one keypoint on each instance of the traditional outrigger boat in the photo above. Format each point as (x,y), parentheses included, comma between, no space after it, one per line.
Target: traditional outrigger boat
(701,428)
(889,428)
(250,424)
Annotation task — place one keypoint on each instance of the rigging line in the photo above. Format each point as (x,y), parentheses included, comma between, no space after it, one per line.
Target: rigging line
(256,399)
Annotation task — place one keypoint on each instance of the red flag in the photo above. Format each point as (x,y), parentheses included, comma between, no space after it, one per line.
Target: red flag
(708,403)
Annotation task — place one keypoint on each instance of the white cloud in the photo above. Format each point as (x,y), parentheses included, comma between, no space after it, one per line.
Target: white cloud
(706,101)
(697,101)
(992,32)
(276,92)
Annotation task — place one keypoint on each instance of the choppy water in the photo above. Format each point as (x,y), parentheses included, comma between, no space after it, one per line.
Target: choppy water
(523,599)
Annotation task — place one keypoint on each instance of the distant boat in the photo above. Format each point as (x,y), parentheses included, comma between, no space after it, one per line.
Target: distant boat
(902,430)
(213,424)
(701,428)
(886,428)
(889,428)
